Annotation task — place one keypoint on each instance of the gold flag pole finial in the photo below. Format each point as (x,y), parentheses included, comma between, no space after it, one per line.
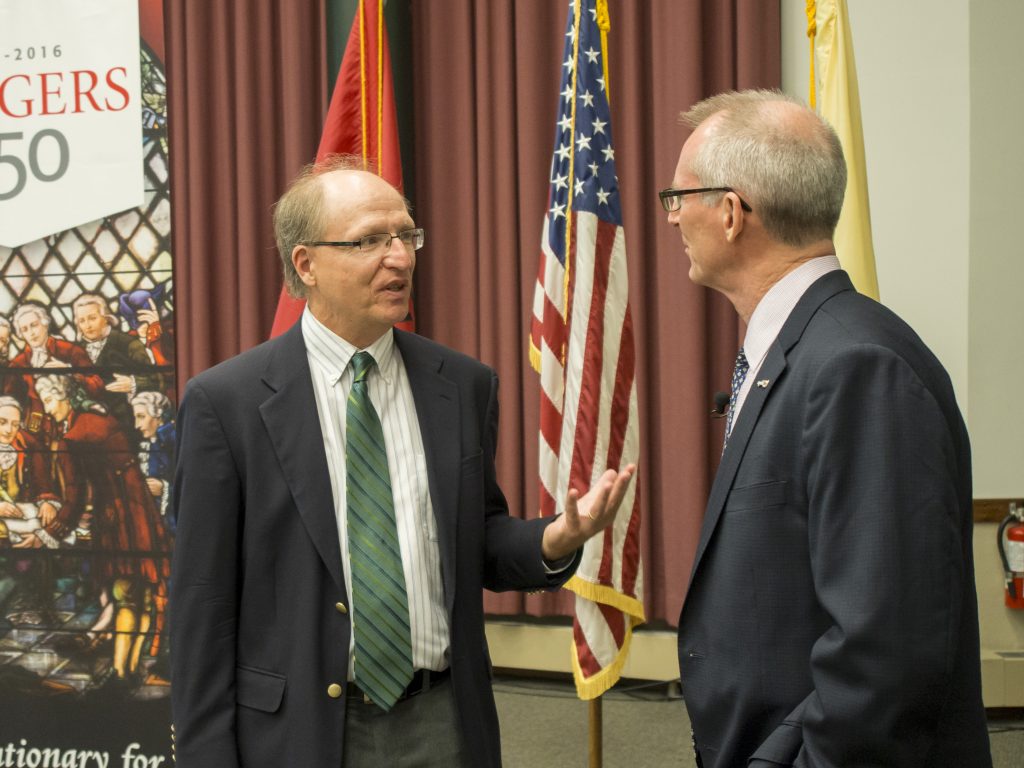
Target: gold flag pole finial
(604,23)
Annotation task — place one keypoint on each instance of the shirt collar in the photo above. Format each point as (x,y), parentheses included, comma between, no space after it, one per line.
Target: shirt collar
(775,306)
(333,353)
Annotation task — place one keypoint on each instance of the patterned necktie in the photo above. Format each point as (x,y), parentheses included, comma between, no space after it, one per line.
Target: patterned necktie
(739,373)
(383,641)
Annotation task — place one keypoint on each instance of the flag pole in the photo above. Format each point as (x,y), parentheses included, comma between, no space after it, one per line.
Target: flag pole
(596,732)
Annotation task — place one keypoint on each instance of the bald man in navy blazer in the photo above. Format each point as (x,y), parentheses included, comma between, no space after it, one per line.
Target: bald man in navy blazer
(831,618)
(261,626)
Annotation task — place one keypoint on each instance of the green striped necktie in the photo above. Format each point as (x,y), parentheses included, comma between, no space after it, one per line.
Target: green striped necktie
(383,641)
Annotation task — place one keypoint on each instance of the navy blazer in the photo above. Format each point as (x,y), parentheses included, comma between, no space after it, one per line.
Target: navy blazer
(831,618)
(256,634)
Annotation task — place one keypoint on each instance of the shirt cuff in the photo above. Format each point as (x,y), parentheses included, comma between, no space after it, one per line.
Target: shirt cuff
(553,567)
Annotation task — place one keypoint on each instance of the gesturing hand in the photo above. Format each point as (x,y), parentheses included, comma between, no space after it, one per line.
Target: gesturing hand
(586,516)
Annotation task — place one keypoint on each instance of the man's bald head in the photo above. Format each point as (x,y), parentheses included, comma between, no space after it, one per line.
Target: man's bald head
(301,214)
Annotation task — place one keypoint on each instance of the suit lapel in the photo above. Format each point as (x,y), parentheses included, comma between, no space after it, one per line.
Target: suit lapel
(771,370)
(292,422)
(772,367)
(437,410)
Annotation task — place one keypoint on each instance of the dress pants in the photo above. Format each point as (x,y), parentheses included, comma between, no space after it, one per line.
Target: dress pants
(419,732)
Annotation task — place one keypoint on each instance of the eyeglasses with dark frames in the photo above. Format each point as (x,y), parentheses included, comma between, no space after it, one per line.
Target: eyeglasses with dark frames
(375,243)
(672,199)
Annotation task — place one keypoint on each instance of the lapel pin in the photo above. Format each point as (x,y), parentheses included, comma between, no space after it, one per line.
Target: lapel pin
(763,383)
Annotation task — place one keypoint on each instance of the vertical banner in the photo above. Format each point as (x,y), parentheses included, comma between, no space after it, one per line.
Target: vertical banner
(86,384)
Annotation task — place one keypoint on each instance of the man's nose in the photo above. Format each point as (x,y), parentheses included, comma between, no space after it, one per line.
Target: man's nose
(398,255)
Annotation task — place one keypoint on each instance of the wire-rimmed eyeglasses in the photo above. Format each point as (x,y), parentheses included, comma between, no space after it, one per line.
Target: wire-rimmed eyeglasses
(672,199)
(381,241)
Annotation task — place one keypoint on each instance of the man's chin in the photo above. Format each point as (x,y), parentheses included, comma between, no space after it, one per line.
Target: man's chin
(397,314)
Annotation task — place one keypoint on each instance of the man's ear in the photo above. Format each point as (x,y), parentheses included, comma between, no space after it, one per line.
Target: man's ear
(302,260)
(732,216)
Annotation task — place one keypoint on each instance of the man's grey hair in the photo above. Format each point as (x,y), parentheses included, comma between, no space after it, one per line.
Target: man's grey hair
(299,216)
(786,163)
(56,383)
(94,299)
(5,323)
(30,308)
(157,404)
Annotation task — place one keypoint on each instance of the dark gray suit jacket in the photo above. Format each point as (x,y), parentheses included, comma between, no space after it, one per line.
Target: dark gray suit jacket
(255,635)
(831,618)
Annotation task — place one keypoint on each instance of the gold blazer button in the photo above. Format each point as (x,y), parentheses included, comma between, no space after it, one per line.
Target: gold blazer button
(341,607)
(334,690)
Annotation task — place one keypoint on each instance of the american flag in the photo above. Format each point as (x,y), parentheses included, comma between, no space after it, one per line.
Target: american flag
(581,343)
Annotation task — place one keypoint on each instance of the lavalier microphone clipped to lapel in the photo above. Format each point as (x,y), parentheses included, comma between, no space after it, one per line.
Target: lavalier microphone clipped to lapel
(721,405)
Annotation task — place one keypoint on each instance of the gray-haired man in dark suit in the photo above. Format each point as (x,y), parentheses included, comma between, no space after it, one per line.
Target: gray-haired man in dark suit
(831,618)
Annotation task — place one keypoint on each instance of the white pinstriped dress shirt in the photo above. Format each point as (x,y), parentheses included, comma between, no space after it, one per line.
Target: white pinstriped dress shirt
(391,395)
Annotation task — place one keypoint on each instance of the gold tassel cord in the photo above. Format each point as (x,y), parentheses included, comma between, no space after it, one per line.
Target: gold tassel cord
(362,79)
(572,140)
(604,23)
(380,87)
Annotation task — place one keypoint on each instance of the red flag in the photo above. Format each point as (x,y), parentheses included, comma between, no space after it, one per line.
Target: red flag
(360,121)
(581,343)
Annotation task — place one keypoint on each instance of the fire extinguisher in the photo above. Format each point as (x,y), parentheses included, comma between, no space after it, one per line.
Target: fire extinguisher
(1011,552)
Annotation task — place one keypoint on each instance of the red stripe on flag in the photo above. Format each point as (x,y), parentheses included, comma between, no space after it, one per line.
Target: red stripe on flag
(631,547)
(616,621)
(588,664)
(550,423)
(554,328)
(624,372)
(604,571)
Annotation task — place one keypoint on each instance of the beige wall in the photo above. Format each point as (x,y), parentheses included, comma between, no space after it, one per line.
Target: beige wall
(915,106)
(942,98)
(942,113)
(996,341)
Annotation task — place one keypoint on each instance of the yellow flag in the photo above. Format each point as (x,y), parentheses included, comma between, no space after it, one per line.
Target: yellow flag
(838,101)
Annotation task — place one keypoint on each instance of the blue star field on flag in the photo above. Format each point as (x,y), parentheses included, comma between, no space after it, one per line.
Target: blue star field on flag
(585,145)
